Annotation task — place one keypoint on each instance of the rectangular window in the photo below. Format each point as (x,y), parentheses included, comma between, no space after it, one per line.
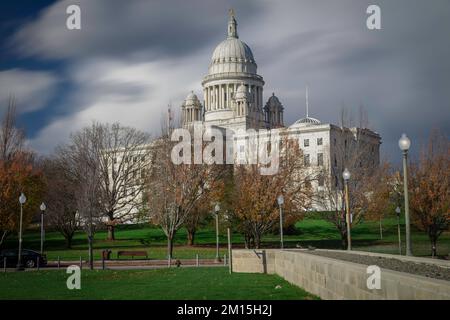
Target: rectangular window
(242,148)
(306,159)
(319,141)
(320,159)
(306,143)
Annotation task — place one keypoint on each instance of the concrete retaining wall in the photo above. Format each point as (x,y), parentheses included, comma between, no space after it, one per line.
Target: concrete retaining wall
(336,279)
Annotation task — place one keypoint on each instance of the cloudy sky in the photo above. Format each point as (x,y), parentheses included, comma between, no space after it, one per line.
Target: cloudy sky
(132,58)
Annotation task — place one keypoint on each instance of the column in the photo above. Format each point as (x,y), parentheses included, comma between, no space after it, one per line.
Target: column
(211,98)
(216,97)
(221,97)
(205,96)
(261,96)
(228,95)
(257,97)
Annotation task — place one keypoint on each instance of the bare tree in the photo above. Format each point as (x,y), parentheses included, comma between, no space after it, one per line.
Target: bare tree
(174,190)
(81,167)
(123,160)
(11,138)
(61,199)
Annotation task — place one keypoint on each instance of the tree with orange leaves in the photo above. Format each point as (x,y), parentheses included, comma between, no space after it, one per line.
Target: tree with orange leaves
(429,187)
(16,176)
(254,203)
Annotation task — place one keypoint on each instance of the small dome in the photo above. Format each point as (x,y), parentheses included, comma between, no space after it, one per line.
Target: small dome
(191,96)
(307,121)
(191,100)
(242,92)
(273,103)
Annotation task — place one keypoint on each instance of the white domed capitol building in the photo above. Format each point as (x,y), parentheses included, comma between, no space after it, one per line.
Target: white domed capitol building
(233,99)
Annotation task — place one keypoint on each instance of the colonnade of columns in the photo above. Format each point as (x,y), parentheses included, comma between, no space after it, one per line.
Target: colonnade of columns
(192,114)
(219,96)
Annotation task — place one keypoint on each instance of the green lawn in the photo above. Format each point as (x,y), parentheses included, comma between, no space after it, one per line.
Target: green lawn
(174,283)
(314,232)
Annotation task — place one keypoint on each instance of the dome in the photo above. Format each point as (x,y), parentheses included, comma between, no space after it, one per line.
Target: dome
(191,96)
(307,121)
(242,92)
(232,50)
(232,55)
(191,100)
(273,102)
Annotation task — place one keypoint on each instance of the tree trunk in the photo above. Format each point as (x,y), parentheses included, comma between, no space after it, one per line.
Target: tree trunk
(69,241)
(344,243)
(247,241)
(91,251)
(433,247)
(343,239)
(111,235)
(257,240)
(381,230)
(170,247)
(4,235)
(190,237)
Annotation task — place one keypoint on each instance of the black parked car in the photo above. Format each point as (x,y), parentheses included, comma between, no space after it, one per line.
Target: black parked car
(29,258)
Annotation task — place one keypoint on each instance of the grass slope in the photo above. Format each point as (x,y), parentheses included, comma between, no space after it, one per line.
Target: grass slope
(175,283)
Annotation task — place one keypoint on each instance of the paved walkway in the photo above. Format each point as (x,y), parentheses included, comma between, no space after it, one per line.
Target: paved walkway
(131,264)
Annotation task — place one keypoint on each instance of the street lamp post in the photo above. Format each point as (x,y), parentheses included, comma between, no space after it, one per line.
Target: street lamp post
(43,207)
(346,175)
(404,143)
(397,211)
(22,200)
(280,201)
(216,211)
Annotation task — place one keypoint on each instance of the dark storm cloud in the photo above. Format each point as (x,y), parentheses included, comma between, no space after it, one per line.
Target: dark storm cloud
(400,74)
(117,28)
